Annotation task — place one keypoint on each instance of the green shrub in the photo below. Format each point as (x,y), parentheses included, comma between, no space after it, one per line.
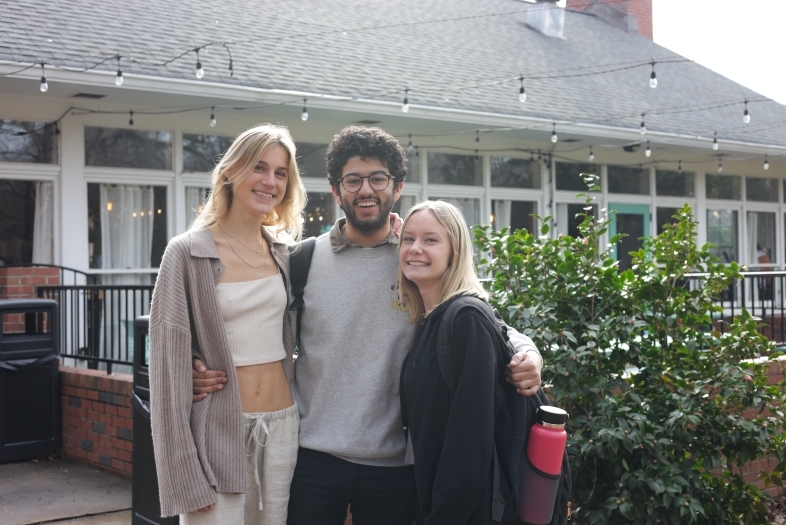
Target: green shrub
(655,394)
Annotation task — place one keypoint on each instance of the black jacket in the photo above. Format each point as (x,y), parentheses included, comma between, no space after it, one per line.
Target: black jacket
(453,428)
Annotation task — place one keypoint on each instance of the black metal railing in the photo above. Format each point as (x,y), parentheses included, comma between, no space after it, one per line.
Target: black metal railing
(97,321)
(67,275)
(762,294)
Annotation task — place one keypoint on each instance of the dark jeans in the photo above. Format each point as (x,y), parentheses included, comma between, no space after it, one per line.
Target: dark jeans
(324,485)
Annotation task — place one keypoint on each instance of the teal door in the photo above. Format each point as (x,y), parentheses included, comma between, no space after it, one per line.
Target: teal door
(634,221)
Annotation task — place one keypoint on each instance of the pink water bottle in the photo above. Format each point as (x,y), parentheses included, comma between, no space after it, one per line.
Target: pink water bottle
(541,475)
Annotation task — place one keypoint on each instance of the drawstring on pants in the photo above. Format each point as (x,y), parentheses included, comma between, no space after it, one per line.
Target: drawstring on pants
(259,435)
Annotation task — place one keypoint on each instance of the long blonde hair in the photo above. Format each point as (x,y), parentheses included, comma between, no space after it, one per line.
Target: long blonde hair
(460,277)
(237,163)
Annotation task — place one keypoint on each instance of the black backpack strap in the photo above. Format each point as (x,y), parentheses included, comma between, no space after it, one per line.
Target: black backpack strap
(445,360)
(299,265)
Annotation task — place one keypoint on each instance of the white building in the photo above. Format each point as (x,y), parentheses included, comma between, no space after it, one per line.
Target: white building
(87,184)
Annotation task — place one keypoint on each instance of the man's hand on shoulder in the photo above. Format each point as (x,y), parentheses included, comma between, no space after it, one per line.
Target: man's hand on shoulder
(205,381)
(523,372)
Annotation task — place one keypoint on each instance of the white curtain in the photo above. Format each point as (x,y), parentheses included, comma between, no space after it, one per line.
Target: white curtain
(406,202)
(43,225)
(195,198)
(502,214)
(753,229)
(126,226)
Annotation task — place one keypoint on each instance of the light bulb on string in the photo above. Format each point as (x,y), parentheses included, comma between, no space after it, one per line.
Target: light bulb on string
(642,127)
(199,71)
(44,85)
(417,152)
(554,138)
(304,113)
(746,117)
(540,157)
(641,170)
(213,121)
(679,167)
(715,142)
(720,165)
(119,77)
(477,135)
(131,117)
(653,77)
(766,162)
(476,154)
(591,154)
(405,104)
(531,156)
(522,93)
(409,146)
(648,151)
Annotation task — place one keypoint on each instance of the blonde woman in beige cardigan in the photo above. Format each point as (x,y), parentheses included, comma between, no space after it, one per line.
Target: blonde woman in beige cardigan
(221,295)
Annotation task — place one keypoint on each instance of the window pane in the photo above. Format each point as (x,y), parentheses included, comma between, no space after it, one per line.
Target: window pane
(22,141)
(404,203)
(515,215)
(722,232)
(128,148)
(674,184)
(413,166)
(202,152)
(724,187)
(311,159)
(664,216)
(761,190)
(445,168)
(515,173)
(634,181)
(319,214)
(761,237)
(17,214)
(126,225)
(470,208)
(569,216)
(195,199)
(568,176)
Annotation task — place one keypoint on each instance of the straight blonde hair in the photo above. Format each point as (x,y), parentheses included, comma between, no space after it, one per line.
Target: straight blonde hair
(460,277)
(237,163)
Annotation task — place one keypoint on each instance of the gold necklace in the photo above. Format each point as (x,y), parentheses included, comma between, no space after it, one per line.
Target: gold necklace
(241,242)
(239,235)
(238,255)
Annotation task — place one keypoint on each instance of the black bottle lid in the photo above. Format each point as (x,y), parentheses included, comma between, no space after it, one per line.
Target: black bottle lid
(552,415)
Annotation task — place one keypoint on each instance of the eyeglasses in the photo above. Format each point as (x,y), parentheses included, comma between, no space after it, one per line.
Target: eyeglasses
(353,183)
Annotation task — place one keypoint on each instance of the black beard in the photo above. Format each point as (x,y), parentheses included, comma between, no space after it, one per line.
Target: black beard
(368,226)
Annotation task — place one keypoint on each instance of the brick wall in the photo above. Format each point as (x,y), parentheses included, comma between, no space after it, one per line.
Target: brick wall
(641,9)
(97,421)
(20,283)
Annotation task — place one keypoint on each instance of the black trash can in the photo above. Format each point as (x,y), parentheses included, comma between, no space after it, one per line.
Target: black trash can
(145,506)
(29,379)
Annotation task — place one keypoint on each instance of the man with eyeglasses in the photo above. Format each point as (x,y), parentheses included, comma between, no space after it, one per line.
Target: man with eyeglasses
(353,343)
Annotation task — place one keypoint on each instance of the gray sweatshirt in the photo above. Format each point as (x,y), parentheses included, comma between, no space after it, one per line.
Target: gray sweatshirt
(353,343)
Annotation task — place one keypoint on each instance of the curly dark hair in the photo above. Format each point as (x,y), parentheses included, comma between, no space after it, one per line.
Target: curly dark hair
(366,143)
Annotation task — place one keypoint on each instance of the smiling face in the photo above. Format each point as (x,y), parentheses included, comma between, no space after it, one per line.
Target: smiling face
(425,251)
(262,190)
(367,210)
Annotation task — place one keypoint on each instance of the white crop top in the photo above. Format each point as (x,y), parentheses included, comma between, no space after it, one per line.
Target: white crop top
(253,314)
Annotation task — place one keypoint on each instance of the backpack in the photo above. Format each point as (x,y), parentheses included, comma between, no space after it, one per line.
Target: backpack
(523,416)
(299,265)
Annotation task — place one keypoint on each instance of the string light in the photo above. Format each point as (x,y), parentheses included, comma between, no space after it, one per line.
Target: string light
(540,157)
(199,71)
(531,156)
(641,170)
(476,155)
(522,94)
(653,78)
(642,127)
(44,85)
(648,151)
(409,146)
(477,135)
(591,155)
(417,152)
(746,117)
(119,77)
(131,118)
(304,114)
(715,141)
(679,167)
(766,162)
(213,121)
(720,165)
(554,138)
(405,104)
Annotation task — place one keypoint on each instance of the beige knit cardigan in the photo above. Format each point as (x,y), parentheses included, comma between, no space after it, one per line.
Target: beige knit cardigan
(199,448)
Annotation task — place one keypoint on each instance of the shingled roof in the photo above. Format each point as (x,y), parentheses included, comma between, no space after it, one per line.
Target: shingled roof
(432,48)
